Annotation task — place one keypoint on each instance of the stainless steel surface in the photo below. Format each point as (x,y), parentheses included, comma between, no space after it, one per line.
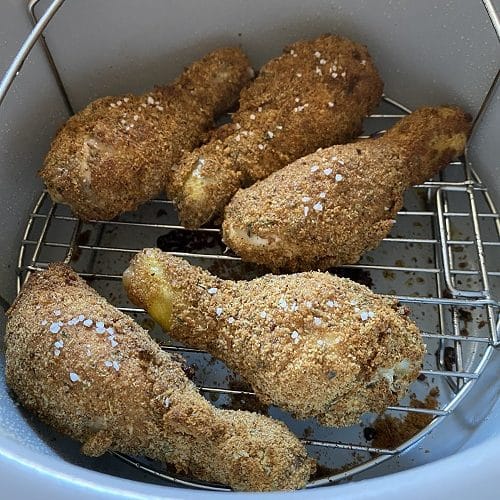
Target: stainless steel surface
(100,250)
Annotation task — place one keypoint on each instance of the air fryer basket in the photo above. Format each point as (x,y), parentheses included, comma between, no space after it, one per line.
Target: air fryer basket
(441,259)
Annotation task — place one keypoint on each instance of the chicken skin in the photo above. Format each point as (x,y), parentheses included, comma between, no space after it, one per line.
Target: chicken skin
(329,208)
(314,344)
(314,95)
(91,372)
(118,151)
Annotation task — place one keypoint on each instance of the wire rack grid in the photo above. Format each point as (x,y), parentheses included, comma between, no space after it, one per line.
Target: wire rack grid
(448,233)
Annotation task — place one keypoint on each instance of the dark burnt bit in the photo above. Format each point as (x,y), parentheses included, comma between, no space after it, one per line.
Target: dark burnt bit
(421,377)
(244,402)
(82,239)
(450,358)
(358,275)
(183,240)
(464,315)
(369,433)
(323,471)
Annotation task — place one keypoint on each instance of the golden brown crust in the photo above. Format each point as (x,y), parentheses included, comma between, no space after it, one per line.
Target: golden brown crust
(314,95)
(111,387)
(118,152)
(330,207)
(312,343)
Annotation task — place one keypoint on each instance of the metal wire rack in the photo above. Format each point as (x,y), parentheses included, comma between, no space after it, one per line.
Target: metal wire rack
(439,259)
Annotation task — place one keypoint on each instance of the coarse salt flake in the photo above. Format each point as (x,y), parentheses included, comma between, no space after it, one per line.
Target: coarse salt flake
(74,377)
(327,171)
(338,177)
(363,62)
(322,61)
(364,315)
(116,365)
(252,117)
(270,134)
(87,323)
(295,334)
(43,322)
(317,321)
(322,194)
(54,327)
(108,363)
(331,104)
(263,314)
(212,291)
(57,312)
(166,402)
(306,199)
(218,311)
(306,211)
(114,343)
(230,320)
(371,314)
(318,206)
(309,304)
(57,352)
(314,168)
(59,344)
(320,342)
(261,146)
(317,54)
(330,303)
(282,303)
(150,100)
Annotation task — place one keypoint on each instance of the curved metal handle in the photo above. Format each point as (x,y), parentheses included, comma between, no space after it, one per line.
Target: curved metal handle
(17,63)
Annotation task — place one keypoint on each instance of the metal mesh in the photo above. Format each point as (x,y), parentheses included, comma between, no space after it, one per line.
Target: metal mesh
(439,259)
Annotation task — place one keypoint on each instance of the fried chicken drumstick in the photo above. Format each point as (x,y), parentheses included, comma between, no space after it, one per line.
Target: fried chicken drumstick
(330,207)
(118,151)
(314,95)
(92,373)
(314,344)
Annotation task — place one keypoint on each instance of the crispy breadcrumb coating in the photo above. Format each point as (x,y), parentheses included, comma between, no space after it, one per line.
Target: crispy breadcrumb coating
(330,207)
(118,151)
(314,95)
(91,372)
(314,344)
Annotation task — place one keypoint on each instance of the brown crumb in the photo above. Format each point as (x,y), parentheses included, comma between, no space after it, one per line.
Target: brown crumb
(390,431)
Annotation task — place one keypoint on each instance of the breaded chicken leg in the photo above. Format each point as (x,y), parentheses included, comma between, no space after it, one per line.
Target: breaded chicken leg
(91,372)
(330,207)
(118,151)
(314,344)
(316,94)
